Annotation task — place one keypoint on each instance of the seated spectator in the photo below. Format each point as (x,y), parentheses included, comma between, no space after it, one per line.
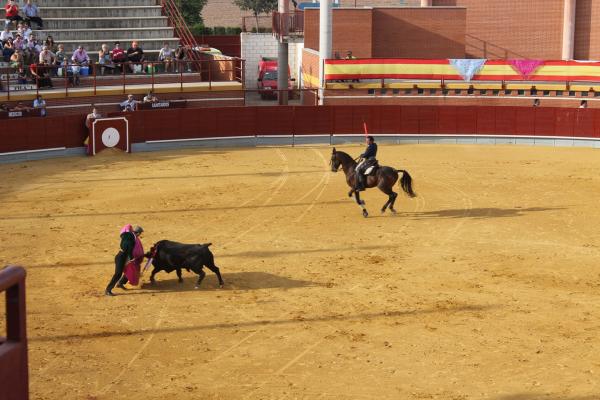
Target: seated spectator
(135,56)
(583,104)
(50,43)
(150,98)
(104,60)
(41,74)
(16,59)
(24,30)
(40,103)
(180,57)
(32,50)
(12,13)
(8,50)
(166,55)
(6,34)
(129,105)
(19,42)
(21,75)
(32,14)
(118,55)
(46,56)
(80,57)
(60,58)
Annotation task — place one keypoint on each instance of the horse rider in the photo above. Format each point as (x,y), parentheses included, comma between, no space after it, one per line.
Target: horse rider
(367,159)
(124,255)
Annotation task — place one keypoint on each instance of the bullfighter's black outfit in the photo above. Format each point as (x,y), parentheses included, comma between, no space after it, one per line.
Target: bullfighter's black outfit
(368,159)
(121,259)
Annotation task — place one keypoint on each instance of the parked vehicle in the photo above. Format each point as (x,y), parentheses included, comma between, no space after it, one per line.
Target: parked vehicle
(267,78)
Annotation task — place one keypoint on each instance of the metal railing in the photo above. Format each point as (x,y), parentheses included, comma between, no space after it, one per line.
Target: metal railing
(291,23)
(73,77)
(261,23)
(176,20)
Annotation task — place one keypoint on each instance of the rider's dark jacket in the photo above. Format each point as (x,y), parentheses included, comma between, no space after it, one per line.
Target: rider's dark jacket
(371,151)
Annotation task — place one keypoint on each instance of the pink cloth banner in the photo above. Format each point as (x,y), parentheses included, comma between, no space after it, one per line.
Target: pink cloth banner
(526,68)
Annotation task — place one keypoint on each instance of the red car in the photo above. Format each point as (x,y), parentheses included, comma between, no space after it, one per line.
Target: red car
(267,78)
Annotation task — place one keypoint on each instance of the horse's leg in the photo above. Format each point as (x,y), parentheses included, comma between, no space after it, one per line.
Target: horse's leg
(361,203)
(391,196)
(350,192)
(394,197)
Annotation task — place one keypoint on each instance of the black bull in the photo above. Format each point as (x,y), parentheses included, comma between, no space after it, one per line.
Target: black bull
(172,256)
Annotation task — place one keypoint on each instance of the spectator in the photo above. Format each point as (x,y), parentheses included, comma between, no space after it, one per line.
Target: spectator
(12,13)
(94,115)
(166,56)
(16,59)
(349,55)
(6,34)
(24,30)
(80,57)
(150,98)
(4,107)
(41,75)
(583,104)
(32,14)
(8,50)
(118,55)
(60,57)
(536,102)
(180,58)
(32,50)
(40,103)
(46,56)
(129,105)
(135,55)
(19,42)
(50,43)
(104,60)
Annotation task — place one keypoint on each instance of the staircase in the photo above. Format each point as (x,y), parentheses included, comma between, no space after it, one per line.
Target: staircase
(91,23)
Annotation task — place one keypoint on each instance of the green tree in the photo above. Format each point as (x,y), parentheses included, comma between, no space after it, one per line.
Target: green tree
(191,9)
(257,7)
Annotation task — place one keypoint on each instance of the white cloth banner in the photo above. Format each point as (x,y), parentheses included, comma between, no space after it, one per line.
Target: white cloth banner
(467,68)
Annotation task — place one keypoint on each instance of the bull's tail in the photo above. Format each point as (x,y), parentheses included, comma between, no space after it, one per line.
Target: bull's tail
(406,183)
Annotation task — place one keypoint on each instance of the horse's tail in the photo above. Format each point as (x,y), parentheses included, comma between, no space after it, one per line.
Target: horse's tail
(406,183)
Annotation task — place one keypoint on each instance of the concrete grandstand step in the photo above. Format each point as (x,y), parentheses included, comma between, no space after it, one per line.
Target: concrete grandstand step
(10,76)
(105,23)
(92,3)
(88,12)
(103,34)
(21,88)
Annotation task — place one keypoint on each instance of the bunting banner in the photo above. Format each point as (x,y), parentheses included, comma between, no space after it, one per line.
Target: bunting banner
(526,68)
(441,69)
(467,68)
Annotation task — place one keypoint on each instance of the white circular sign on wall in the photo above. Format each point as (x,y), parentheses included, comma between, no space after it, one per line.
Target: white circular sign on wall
(110,137)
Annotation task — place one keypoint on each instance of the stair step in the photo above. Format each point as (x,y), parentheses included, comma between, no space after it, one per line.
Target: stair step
(106,23)
(17,88)
(103,34)
(115,12)
(86,3)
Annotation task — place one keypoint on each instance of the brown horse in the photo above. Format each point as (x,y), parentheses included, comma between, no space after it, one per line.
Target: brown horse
(384,179)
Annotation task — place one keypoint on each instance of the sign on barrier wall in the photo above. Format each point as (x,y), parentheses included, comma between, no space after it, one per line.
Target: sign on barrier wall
(109,133)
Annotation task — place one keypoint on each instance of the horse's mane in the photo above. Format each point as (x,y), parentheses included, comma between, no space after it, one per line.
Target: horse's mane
(343,155)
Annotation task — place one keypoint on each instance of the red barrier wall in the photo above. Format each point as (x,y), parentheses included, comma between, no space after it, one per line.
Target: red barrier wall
(69,131)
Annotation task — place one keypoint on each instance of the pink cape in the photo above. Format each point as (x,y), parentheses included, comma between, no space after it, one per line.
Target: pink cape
(133,267)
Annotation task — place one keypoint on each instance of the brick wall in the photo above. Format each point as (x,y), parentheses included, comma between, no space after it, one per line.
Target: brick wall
(587,30)
(419,32)
(512,28)
(392,32)
(310,68)
(257,45)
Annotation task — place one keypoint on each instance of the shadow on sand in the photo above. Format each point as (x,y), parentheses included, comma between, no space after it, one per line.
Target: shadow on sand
(477,213)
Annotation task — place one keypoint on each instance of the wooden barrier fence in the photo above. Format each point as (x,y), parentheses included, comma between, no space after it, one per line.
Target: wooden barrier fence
(69,131)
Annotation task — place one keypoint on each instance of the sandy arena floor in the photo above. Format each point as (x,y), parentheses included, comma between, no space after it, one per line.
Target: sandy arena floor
(486,286)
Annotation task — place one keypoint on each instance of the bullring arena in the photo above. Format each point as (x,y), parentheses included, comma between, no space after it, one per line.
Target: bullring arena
(482,287)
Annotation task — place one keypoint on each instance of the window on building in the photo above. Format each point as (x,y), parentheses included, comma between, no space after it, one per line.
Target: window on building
(571,93)
(395,91)
(585,94)
(483,92)
(496,92)
(457,91)
(507,92)
(521,92)
(383,91)
(546,93)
